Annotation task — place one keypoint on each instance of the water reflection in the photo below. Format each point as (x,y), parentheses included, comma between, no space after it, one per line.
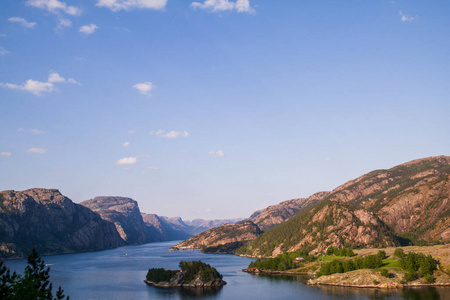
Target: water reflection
(189,293)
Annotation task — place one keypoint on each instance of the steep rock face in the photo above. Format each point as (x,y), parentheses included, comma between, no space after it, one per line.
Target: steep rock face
(411,199)
(51,222)
(124,214)
(160,230)
(227,233)
(422,213)
(276,214)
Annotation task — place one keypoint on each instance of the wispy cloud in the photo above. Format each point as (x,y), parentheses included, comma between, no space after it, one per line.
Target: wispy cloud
(127,161)
(38,87)
(223,5)
(406,18)
(32,130)
(22,22)
(3,51)
(88,29)
(116,5)
(218,153)
(63,23)
(55,6)
(7,154)
(131,131)
(170,134)
(152,168)
(36,150)
(2,35)
(144,88)
(126,144)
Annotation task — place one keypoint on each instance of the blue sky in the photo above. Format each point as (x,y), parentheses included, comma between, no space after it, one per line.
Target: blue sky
(214,109)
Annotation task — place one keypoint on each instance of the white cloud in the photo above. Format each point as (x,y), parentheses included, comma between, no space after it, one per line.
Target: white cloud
(170,134)
(88,29)
(3,51)
(144,88)
(38,87)
(22,22)
(36,150)
(223,5)
(152,168)
(218,153)
(73,81)
(126,144)
(55,77)
(327,158)
(7,154)
(131,131)
(55,6)
(127,161)
(406,18)
(36,131)
(116,5)
(63,23)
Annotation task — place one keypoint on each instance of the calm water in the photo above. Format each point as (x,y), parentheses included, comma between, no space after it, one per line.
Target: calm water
(119,274)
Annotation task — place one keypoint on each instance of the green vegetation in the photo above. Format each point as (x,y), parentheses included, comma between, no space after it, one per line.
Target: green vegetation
(417,265)
(193,269)
(342,266)
(282,262)
(34,284)
(224,248)
(340,252)
(159,274)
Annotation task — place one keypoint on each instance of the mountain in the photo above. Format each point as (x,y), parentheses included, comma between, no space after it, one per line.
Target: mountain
(275,214)
(407,203)
(224,234)
(196,226)
(161,230)
(51,222)
(124,213)
(262,220)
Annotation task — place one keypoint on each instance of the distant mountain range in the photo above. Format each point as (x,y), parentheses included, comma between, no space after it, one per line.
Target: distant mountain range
(407,204)
(52,223)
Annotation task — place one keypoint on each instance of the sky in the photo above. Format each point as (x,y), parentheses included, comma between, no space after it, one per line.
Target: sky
(215,109)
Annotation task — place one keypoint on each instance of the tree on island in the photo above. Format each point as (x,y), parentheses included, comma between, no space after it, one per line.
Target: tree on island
(33,285)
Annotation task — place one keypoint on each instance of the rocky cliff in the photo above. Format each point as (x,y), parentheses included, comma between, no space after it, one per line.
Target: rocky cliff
(124,214)
(409,202)
(161,230)
(51,222)
(225,234)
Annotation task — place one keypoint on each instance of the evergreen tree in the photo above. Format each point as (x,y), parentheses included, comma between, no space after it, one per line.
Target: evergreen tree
(33,285)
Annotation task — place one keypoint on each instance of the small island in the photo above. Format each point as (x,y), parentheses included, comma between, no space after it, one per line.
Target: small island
(192,274)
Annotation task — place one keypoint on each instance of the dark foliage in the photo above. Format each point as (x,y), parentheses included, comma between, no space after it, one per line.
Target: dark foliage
(159,274)
(342,266)
(417,265)
(340,252)
(193,269)
(33,285)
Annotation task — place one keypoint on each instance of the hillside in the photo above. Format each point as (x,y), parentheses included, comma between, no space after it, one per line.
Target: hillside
(124,214)
(407,203)
(51,222)
(225,234)
(276,214)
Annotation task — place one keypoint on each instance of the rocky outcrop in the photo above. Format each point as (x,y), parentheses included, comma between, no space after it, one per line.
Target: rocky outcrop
(161,230)
(124,214)
(273,215)
(227,233)
(179,280)
(51,222)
